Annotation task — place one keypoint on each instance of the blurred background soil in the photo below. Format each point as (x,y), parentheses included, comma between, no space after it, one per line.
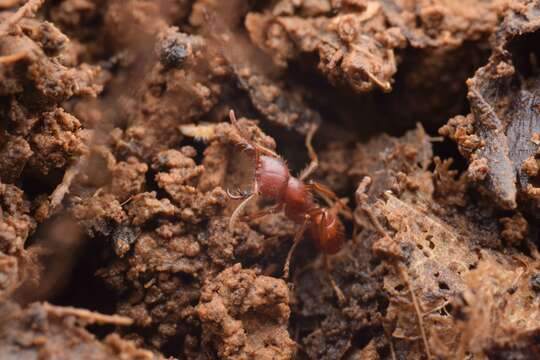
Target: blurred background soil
(116,155)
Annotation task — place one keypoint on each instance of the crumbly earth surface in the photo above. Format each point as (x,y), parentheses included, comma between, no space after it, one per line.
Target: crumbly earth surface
(118,169)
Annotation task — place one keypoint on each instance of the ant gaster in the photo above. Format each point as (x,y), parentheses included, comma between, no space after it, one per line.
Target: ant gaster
(273,181)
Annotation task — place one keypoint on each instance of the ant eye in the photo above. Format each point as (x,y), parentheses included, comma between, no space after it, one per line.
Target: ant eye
(238,194)
(245,193)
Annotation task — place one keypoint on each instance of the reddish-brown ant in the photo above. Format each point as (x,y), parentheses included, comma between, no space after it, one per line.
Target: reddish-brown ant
(273,181)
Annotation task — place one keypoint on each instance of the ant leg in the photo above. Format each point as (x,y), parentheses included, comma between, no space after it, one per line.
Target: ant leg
(337,204)
(268,211)
(251,144)
(339,294)
(312,154)
(239,209)
(324,191)
(296,241)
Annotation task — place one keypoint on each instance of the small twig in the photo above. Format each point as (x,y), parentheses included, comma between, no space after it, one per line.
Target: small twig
(362,201)
(339,294)
(63,188)
(436,138)
(372,9)
(385,86)
(8,59)
(437,308)
(90,317)
(125,202)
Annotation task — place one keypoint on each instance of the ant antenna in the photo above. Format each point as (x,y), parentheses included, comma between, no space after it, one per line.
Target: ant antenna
(238,211)
(250,144)
(244,136)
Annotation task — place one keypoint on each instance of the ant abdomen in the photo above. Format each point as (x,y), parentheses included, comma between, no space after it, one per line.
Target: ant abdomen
(327,232)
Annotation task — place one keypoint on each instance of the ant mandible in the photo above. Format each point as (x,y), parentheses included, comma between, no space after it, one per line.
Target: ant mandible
(273,181)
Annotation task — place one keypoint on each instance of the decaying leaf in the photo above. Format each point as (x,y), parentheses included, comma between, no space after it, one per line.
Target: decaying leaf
(469,298)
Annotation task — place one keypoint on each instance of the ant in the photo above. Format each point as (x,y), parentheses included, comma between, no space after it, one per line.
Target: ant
(273,181)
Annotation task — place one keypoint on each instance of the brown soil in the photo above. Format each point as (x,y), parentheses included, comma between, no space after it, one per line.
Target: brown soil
(117,165)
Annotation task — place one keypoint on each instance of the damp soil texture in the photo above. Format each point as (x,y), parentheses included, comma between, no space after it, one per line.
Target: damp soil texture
(279,179)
